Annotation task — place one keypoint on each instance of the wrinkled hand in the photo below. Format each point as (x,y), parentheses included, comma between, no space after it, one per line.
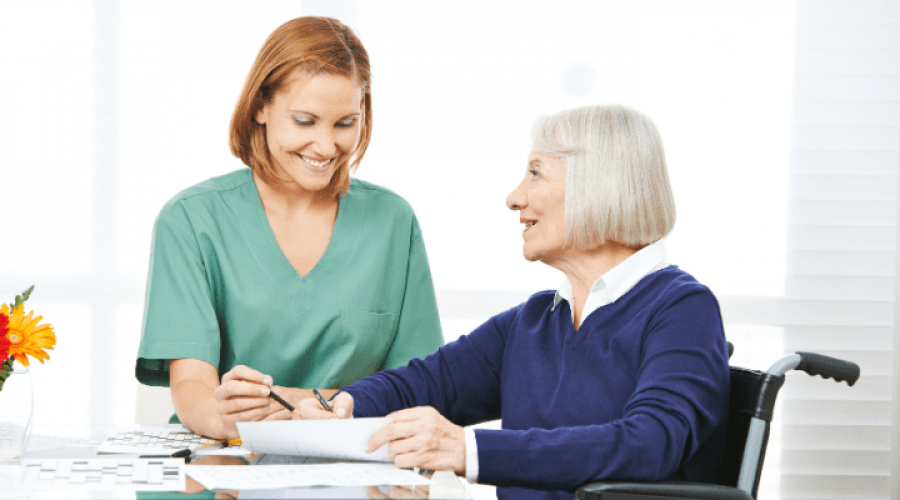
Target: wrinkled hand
(311,409)
(243,396)
(422,437)
(394,492)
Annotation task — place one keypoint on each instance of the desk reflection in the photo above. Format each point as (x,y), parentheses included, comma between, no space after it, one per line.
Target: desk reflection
(446,486)
(80,441)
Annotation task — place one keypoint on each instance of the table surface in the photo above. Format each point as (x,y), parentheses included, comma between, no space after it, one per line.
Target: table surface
(79,441)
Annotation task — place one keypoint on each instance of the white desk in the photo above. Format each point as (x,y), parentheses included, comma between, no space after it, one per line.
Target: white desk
(79,441)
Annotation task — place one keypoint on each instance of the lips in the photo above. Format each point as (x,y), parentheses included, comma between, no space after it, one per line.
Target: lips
(316,165)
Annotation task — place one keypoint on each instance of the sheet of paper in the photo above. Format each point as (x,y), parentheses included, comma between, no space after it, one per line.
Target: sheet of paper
(160,440)
(339,438)
(102,474)
(242,477)
(39,442)
(313,493)
(67,452)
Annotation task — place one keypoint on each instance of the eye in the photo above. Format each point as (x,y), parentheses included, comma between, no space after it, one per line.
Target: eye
(534,173)
(303,123)
(346,123)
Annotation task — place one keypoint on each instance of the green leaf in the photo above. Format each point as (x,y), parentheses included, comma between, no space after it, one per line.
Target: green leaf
(5,370)
(22,298)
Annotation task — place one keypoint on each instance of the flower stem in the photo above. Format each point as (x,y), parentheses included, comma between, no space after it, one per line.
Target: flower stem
(5,370)
(22,298)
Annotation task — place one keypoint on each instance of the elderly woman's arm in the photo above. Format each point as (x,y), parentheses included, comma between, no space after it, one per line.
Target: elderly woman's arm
(461,380)
(676,386)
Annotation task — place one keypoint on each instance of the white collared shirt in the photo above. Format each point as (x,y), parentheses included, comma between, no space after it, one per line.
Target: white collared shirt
(607,289)
(617,281)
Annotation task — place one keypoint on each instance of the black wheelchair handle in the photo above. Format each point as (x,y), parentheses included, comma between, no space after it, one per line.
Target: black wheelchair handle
(828,367)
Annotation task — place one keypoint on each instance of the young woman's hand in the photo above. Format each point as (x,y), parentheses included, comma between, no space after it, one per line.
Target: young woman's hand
(243,396)
(212,408)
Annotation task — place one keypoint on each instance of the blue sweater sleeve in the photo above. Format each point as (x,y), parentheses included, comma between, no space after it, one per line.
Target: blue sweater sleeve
(675,394)
(677,403)
(461,380)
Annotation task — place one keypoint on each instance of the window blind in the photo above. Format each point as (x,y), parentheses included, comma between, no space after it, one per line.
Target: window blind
(841,248)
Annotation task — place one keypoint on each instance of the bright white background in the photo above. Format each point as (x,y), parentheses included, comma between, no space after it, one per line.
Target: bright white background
(110,108)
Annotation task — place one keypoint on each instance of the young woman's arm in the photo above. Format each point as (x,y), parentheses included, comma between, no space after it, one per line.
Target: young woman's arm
(212,409)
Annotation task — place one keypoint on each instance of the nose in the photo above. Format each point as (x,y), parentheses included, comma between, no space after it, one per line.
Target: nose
(517,200)
(325,144)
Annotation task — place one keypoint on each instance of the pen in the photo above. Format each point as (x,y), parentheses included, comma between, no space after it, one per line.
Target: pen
(221,444)
(322,400)
(178,454)
(278,398)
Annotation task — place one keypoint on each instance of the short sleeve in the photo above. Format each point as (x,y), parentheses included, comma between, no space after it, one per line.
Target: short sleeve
(179,316)
(419,327)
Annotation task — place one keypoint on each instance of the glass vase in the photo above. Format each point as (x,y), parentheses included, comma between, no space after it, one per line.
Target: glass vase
(16,408)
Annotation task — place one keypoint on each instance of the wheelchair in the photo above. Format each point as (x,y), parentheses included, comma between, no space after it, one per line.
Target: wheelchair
(752,400)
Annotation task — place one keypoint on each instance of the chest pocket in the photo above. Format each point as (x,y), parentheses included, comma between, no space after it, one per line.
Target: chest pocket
(365,339)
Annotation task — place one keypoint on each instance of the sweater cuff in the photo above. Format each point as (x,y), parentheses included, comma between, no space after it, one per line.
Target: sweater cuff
(471,455)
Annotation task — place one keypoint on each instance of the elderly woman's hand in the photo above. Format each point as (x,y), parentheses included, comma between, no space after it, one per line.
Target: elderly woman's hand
(422,437)
(311,409)
(395,492)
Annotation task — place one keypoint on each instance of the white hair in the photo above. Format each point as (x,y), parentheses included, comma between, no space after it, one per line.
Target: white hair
(617,186)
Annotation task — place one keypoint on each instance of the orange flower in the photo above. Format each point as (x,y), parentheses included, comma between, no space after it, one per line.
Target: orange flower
(4,341)
(26,336)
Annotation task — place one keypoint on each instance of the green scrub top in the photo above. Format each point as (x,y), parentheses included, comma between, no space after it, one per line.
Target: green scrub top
(221,290)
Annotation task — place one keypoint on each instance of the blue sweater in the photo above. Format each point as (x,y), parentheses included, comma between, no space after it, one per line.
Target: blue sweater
(632,394)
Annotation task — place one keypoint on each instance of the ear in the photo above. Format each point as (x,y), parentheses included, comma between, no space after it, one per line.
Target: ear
(261,115)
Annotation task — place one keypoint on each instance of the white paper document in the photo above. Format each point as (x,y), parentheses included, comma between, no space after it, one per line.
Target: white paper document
(102,474)
(241,477)
(339,438)
(161,440)
(314,493)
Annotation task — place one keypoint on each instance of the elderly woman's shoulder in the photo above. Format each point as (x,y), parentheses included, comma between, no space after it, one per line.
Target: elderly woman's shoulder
(538,301)
(671,283)
(678,277)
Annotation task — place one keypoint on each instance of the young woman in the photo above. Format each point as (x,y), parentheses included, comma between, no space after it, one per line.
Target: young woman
(287,275)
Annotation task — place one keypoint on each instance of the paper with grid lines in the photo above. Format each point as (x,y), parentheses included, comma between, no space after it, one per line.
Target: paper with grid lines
(160,440)
(102,474)
(255,477)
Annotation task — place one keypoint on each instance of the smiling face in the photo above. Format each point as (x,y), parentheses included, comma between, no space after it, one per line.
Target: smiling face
(312,127)
(541,201)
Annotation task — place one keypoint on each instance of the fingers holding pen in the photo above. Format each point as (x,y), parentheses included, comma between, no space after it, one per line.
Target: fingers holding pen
(247,374)
(243,394)
(342,405)
(244,382)
(313,409)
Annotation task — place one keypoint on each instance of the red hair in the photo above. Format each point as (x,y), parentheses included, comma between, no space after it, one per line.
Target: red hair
(313,44)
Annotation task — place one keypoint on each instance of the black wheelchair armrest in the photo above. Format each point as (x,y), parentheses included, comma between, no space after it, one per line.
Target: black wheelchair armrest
(603,490)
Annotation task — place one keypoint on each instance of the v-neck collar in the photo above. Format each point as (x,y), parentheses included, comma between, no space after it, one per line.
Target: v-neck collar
(264,246)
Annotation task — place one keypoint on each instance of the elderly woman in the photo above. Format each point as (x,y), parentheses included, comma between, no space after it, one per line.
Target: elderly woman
(621,373)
